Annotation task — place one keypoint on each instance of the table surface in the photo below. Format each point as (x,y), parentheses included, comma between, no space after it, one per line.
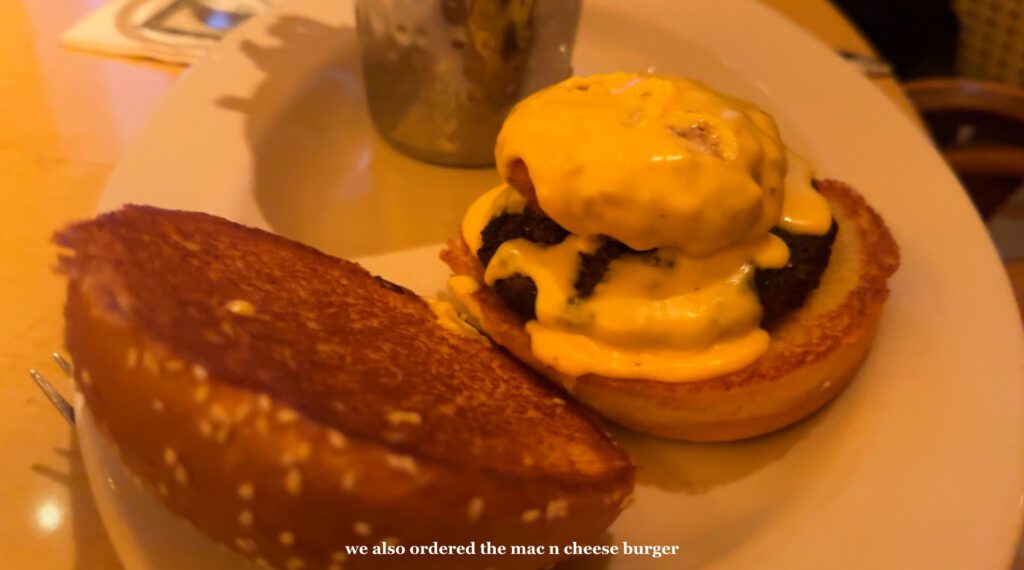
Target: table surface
(65,118)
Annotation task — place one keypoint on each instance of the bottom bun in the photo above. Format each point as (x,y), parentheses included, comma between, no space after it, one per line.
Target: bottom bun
(813,354)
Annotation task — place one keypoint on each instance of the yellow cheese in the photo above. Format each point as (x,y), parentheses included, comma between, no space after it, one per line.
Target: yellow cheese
(652,161)
(576,354)
(647,308)
(493,202)
(463,285)
(804,210)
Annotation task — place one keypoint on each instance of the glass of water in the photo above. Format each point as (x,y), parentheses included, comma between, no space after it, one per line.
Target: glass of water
(441,75)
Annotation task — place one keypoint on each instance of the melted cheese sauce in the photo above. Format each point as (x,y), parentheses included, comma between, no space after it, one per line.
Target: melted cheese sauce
(576,354)
(804,210)
(660,164)
(651,161)
(664,299)
(494,202)
(664,315)
(678,319)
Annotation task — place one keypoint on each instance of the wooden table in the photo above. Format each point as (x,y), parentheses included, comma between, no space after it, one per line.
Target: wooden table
(65,118)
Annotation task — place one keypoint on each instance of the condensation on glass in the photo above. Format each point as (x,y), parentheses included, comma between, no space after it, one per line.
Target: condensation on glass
(441,75)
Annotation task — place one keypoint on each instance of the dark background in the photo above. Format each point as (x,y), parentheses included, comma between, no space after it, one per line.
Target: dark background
(918,37)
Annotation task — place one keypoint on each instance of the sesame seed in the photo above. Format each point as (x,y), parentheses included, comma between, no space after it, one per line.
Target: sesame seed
(527,460)
(180,474)
(297,454)
(293,481)
(475,509)
(348,481)
(295,563)
(174,365)
(402,463)
(262,426)
(264,402)
(398,417)
(339,556)
(335,439)
(286,415)
(391,541)
(191,246)
(223,433)
(162,489)
(246,491)
(246,545)
(205,428)
(242,412)
(245,518)
(362,529)
(240,307)
(170,456)
(557,508)
(158,406)
(531,515)
(219,414)
(131,359)
(289,357)
(86,377)
(286,538)
(262,563)
(334,566)
(199,373)
(150,363)
(201,393)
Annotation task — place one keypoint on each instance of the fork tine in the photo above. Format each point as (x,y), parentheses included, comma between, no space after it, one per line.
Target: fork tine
(54,396)
(64,364)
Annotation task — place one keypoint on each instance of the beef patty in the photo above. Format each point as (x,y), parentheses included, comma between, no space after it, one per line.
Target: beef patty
(781,290)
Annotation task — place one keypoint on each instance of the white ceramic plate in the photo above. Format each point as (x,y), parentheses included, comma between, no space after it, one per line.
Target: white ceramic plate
(920,464)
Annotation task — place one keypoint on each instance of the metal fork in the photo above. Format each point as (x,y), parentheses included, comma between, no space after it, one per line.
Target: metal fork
(51,393)
(873,67)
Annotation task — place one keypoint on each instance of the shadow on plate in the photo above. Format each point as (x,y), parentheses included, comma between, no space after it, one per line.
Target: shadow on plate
(696,468)
(321,174)
(92,548)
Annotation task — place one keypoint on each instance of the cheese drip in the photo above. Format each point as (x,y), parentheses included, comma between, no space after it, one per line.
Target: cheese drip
(576,354)
(661,315)
(498,200)
(804,210)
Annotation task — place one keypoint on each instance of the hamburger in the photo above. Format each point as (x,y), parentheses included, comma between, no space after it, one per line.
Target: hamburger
(658,252)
